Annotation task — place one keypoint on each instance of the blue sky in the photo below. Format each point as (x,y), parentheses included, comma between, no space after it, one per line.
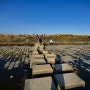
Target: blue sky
(45,17)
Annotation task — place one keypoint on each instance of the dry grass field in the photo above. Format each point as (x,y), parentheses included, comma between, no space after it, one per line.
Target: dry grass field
(30,40)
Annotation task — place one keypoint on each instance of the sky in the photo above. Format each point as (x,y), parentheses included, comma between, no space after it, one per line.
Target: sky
(45,17)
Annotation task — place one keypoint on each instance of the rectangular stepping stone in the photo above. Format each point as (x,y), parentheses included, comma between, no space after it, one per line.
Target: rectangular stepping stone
(66,58)
(42,69)
(23,59)
(38,56)
(16,66)
(35,52)
(45,83)
(38,61)
(68,81)
(12,64)
(50,55)
(40,50)
(6,65)
(17,62)
(41,46)
(34,48)
(27,61)
(62,67)
(45,52)
(88,69)
(36,44)
(53,60)
(10,67)
(82,67)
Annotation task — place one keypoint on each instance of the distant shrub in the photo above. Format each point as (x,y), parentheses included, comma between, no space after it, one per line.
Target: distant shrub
(45,44)
(29,43)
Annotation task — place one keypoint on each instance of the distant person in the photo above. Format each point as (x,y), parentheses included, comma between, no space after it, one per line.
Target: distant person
(51,41)
(40,41)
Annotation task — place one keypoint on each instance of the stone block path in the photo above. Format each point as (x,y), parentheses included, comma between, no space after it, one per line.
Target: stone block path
(42,62)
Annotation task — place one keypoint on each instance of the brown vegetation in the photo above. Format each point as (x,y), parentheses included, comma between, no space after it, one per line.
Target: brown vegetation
(31,39)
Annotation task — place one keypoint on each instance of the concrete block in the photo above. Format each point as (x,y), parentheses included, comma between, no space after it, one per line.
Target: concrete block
(45,83)
(12,64)
(38,56)
(9,68)
(34,48)
(41,46)
(66,58)
(6,65)
(68,81)
(35,52)
(38,61)
(62,67)
(50,55)
(45,52)
(42,69)
(16,66)
(17,62)
(26,61)
(40,50)
(53,60)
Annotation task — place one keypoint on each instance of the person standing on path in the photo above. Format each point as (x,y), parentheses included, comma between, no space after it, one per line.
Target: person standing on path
(40,41)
